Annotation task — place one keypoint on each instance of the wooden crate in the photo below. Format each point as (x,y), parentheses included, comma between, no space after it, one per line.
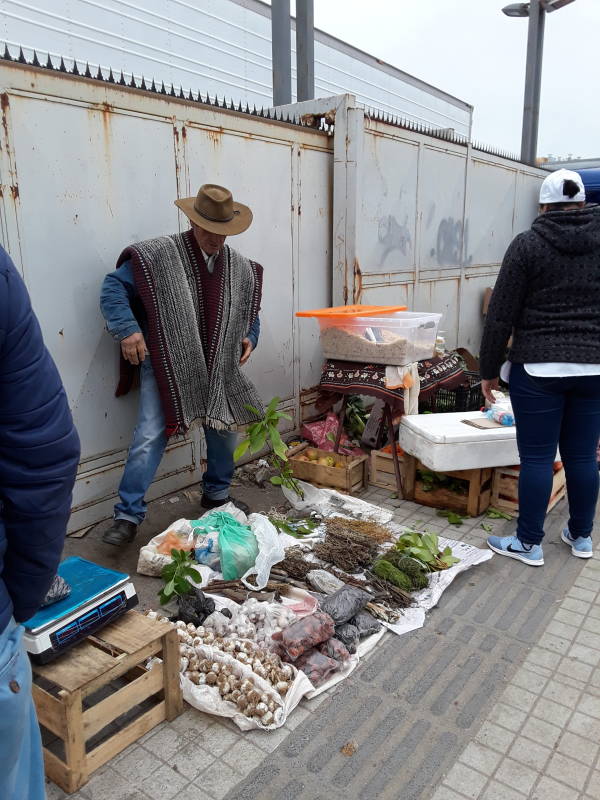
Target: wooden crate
(505,489)
(350,478)
(86,690)
(382,470)
(474,503)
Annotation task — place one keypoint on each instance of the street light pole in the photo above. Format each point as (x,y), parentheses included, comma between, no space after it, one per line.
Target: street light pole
(536,10)
(533,82)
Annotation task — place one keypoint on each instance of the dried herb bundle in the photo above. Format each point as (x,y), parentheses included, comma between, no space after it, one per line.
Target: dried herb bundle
(345,548)
(364,527)
(294,564)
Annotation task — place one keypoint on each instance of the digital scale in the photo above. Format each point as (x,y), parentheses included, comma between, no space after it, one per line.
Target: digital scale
(98,596)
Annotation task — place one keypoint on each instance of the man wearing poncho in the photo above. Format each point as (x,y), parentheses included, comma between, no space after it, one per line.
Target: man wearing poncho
(185,311)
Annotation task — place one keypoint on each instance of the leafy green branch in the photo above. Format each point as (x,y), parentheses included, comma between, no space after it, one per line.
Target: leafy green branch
(176,576)
(263,432)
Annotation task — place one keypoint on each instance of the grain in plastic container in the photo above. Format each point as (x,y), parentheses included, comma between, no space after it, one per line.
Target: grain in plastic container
(378,335)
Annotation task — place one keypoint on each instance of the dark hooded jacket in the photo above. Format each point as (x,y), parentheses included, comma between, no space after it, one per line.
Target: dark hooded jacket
(547,295)
(39,452)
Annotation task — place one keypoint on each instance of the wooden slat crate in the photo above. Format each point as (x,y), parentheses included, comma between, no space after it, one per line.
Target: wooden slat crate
(81,696)
(505,489)
(474,503)
(349,478)
(382,470)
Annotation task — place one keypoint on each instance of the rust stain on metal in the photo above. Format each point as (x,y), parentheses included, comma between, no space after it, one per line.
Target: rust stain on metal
(215,136)
(106,112)
(5,105)
(183,132)
(14,190)
(358,284)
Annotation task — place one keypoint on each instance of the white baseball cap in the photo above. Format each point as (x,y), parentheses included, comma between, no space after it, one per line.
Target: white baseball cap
(552,189)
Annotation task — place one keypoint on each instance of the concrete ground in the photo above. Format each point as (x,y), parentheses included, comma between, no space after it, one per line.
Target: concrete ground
(497,697)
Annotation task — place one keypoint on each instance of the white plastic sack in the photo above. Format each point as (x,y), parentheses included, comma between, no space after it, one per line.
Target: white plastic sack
(328,502)
(270,551)
(207,698)
(150,562)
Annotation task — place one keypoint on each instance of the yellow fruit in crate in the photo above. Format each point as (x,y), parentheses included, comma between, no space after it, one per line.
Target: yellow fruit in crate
(330,461)
(339,465)
(312,455)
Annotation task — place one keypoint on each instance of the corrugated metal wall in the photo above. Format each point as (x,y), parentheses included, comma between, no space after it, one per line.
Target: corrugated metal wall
(375,213)
(88,168)
(435,218)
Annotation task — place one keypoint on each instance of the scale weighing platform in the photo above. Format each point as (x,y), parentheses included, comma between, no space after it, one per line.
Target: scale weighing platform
(98,596)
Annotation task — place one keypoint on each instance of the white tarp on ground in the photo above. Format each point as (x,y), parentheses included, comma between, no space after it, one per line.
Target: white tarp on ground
(330,503)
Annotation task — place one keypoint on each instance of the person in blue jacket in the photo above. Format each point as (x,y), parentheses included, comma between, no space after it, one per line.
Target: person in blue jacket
(39,453)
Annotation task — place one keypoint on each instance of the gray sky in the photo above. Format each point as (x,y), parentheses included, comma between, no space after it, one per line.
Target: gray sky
(470,49)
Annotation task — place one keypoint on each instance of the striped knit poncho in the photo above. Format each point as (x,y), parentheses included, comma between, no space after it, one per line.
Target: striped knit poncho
(167,277)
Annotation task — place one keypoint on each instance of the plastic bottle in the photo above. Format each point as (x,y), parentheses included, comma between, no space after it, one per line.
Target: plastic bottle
(501,414)
(440,345)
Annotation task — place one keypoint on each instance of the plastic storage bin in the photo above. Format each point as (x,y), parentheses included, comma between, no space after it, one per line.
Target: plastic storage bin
(397,338)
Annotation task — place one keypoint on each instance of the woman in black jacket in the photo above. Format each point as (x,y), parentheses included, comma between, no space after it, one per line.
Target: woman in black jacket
(548,297)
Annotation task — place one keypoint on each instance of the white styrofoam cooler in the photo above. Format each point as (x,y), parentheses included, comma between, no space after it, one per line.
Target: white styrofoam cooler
(442,442)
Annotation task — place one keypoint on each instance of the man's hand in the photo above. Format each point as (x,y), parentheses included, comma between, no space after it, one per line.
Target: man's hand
(134,348)
(487,387)
(246,351)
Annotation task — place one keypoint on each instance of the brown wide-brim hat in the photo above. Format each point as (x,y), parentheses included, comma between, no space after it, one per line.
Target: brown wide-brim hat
(214,210)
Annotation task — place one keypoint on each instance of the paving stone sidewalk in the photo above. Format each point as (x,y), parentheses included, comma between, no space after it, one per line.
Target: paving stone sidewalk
(497,697)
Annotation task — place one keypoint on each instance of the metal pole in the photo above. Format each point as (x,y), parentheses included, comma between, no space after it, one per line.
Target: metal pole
(533,82)
(281,43)
(305,50)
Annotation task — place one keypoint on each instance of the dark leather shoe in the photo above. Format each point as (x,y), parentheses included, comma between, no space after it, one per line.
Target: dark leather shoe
(120,532)
(208,502)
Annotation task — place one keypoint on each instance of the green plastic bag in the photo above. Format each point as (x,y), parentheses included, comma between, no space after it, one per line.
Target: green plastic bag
(237,544)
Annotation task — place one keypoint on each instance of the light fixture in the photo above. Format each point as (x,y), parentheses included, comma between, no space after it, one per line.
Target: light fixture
(517,10)
(554,5)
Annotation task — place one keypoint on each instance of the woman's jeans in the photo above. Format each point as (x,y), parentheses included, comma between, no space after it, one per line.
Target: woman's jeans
(148,446)
(556,413)
(21,761)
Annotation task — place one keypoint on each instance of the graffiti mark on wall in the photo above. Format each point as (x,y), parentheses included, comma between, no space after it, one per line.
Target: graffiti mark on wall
(393,236)
(448,250)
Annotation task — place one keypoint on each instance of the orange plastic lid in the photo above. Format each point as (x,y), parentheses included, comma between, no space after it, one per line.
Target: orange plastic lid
(351,311)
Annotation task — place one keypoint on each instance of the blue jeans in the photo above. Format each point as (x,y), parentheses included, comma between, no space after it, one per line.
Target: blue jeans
(148,446)
(551,413)
(21,760)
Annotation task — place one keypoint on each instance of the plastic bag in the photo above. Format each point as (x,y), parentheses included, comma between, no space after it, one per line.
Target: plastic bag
(237,544)
(336,650)
(348,635)
(345,603)
(328,502)
(174,540)
(304,634)
(59,589)
(270,551)
(321,433)
(324,581)
(151,561)
(316,666)
(194,607)
(365,624)
(209,553)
